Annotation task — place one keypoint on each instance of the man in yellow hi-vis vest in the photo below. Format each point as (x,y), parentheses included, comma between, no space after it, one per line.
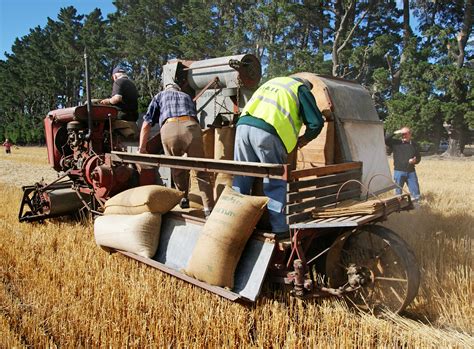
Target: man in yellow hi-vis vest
(268,130)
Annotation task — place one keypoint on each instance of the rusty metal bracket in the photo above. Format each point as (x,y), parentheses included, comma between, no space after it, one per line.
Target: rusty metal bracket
(212,82)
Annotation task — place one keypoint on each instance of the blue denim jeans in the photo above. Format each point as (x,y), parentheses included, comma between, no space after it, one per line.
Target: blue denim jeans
(401,177)
(255,145)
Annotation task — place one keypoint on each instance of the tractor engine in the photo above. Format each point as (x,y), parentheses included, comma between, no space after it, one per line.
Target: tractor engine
(85,155)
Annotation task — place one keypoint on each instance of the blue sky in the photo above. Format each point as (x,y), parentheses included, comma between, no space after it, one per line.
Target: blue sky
(18,16)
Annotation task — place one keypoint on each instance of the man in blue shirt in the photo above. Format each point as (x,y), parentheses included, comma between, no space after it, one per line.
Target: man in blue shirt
(181,134)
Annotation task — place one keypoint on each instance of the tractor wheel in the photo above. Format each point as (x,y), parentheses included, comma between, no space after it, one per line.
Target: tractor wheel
(378,265)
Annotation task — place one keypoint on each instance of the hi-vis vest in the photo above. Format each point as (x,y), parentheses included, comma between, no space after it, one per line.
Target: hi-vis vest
(276,102)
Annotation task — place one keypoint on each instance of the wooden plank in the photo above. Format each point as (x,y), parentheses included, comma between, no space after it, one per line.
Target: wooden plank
(363,219)
(327,220)
(322,225)
(298,207)
(303,215)
(296,222)
(351,218)
(320,192)
(335,223)
(254,169)
(325,170)
(314,220)
(299,217)
(320,151)
(340,219)
(324,180)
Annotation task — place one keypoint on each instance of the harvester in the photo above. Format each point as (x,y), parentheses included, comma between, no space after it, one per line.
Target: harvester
(340,251)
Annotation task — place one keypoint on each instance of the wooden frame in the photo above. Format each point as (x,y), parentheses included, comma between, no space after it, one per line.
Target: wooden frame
(320,186)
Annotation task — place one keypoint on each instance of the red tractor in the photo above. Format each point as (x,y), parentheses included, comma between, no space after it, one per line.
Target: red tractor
(81,155)
(79,141)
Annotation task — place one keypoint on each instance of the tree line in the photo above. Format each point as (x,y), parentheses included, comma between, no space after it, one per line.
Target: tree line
(415,57)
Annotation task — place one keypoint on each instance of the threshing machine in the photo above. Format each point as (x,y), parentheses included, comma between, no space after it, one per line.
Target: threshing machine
(348,255)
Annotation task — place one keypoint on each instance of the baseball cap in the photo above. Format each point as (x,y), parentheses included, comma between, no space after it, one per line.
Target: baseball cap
(118,69)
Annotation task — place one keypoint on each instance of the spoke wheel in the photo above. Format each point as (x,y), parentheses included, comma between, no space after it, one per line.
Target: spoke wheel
(378,264)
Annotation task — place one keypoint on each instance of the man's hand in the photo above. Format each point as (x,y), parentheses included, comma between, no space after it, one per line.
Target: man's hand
(302,141)
(105,101)
(412,161)
(402,131)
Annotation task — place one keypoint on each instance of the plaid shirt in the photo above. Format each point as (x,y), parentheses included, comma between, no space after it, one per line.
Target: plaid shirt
(169,104)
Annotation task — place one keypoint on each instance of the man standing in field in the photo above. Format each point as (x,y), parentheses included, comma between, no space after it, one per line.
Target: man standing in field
(406,155)
(181,134)
(268,131)
(8,146)
(124,95)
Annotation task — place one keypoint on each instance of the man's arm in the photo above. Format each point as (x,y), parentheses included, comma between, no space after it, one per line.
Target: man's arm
(117,91)
(310,114)
(389,139)
(149,120)
(417,158)
(112,100)
(144,134)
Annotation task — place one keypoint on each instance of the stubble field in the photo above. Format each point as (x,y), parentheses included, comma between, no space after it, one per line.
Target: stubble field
(58,289)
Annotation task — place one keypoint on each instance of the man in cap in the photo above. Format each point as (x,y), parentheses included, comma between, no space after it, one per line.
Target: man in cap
(181,134)
(124,95)
(406,154)
(268,130)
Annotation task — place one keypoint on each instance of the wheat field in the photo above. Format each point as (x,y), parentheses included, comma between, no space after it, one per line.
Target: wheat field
(58,289)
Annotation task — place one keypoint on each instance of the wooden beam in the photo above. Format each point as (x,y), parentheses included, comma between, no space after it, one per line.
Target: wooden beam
(320,192)
(324,180)
(253,169)
(325,170)
(326,200)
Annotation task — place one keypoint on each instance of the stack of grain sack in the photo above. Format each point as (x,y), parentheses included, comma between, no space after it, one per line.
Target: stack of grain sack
(132,219)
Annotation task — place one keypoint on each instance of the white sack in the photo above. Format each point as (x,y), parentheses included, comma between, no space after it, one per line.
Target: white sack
(138,234)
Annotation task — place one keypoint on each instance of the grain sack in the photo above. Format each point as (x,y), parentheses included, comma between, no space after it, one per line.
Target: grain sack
(320,151)
(224,236)
(223,150)
(147,198)
(138,234)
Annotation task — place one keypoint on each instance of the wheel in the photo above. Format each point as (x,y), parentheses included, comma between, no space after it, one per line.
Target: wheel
(376,266)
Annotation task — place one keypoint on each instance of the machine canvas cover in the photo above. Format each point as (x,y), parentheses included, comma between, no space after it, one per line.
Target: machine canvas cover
(359,129)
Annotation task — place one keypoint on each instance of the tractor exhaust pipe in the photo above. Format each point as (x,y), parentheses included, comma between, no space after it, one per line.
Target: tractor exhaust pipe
(88,96)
